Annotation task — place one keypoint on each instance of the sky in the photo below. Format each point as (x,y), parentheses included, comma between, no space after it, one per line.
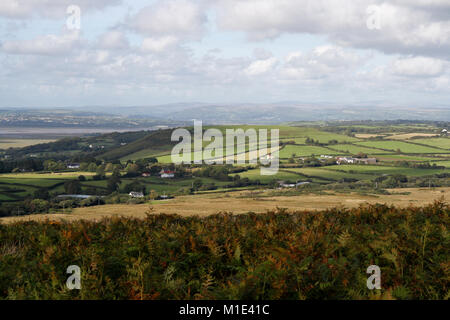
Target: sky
(74,53)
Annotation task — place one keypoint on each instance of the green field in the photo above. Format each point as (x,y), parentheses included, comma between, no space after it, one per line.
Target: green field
(379,170)
(157,144)
(158,184)
(296,140)
(442,163)
(297,134)
(4,197)
(316,134)
(304,151)
(37,182)
(38,175)
(9,184)
(403,146)
(20,143)
(28,183)
(255,174)
(330,174)
(402,157)
(443,143)
(147,153)
(355,149)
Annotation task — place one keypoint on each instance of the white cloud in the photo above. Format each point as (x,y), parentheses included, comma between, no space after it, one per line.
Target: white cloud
(90,57)
(322,62)
(181,18)
(406,27)
(113,40)
(157,51)
(21,9)
(260,66)
(159,44)
(418,67)
(43,45)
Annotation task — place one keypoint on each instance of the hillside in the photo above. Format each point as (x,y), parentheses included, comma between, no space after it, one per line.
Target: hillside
(155,142)
(79,146)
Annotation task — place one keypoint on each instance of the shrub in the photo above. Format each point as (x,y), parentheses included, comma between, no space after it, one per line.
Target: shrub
(277,255)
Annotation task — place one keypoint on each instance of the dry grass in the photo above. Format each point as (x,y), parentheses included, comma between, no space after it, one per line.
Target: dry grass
(368,135)
(407,136)
(11,249)
(21,143)
(241,202)
(400,136)
(53,175)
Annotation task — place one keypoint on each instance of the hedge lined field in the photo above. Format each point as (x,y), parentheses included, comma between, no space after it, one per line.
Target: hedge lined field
(443,143)
(331,174)
(355,149)
(404,147)
(304,151)
(304,255)
(379,170)
(255,174)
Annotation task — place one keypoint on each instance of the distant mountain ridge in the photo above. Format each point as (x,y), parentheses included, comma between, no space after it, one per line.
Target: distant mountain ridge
(271,113)
(282,112)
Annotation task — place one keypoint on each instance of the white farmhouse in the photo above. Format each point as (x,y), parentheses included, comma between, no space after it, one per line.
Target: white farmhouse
(73,166)
(167,174)
(135,194)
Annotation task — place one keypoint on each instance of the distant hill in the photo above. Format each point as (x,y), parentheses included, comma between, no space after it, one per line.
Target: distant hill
(182,114)
(275,113)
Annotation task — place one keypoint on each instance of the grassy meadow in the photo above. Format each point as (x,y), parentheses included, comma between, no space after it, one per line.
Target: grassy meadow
(20,143)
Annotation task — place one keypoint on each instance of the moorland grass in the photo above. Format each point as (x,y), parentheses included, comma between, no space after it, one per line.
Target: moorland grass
(277,255)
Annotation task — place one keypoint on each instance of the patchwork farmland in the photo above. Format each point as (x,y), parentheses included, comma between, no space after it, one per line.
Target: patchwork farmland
(307,159)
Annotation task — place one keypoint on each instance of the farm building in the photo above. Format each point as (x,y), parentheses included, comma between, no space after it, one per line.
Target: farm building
(73,166)
(167,174)
(135,194)
(74,196)
(341,160)
(366,160)
(292,185)
(347,160)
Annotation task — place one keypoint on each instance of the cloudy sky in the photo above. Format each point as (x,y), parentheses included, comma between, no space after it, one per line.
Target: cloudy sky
(133,52)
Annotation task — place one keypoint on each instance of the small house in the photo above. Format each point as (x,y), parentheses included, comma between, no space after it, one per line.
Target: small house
(73,166)
(167,174)
(341,160)
(287,185)
(135,194)
(366,160)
